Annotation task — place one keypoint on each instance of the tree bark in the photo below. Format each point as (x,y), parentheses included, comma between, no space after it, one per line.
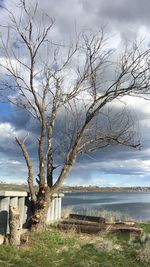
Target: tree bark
(39,217)
(14,225)
(30,168)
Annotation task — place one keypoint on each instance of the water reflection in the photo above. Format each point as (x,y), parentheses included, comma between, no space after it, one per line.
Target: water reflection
(134,204)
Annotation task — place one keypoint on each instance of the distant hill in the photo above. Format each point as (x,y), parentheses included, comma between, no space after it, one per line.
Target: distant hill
(24,187)
(13,187)
(104,189)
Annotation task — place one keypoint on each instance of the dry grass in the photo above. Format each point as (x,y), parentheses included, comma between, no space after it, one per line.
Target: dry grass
(110,216)
(65,213)
(54,248)
(144,253)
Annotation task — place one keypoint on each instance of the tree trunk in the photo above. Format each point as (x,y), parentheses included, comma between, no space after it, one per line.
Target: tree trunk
(38,220)
(14,225)
(39,216)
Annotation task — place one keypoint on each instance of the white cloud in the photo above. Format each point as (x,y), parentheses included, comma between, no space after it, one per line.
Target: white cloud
(7,131)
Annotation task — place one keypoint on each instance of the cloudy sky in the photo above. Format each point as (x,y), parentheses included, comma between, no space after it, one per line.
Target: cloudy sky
(117,166)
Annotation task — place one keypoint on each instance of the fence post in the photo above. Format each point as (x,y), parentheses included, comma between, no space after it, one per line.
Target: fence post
(21,206)
(4,215)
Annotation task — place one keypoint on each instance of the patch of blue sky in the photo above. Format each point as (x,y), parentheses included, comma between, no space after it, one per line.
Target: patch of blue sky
(5,110)
(17,44)
(55,67)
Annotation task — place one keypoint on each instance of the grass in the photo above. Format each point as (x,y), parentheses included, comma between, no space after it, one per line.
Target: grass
(56,248)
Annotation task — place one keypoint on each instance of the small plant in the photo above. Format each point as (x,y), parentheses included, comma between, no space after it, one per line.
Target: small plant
(144,238)
(104,245)
(144,253)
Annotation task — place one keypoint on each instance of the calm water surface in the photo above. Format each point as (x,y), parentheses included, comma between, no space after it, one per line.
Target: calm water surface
(133,204)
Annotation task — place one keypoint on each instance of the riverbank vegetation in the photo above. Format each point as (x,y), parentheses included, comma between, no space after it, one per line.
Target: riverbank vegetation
(56,248)
(74,189)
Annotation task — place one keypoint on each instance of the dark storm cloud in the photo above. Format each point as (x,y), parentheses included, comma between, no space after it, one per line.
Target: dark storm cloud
(125,10)
(2,2)
(111,160)
(91,14)
(123,16)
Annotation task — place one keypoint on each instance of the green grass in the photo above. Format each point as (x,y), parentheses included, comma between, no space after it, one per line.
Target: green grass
(54,248)
(145,226)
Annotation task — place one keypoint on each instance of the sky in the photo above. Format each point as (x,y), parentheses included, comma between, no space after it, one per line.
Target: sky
(113,166)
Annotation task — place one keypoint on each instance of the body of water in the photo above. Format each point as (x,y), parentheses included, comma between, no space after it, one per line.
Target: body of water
(133,204)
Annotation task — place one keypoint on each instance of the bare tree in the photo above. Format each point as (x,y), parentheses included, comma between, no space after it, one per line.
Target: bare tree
(63,87)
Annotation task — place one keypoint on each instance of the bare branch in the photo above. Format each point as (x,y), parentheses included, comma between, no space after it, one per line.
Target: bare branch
(29,165)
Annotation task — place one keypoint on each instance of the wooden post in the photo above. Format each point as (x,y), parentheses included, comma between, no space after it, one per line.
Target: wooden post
(14,225)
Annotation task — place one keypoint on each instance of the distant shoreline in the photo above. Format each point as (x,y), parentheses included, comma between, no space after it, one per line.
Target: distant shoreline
(71,189)
(105,189)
